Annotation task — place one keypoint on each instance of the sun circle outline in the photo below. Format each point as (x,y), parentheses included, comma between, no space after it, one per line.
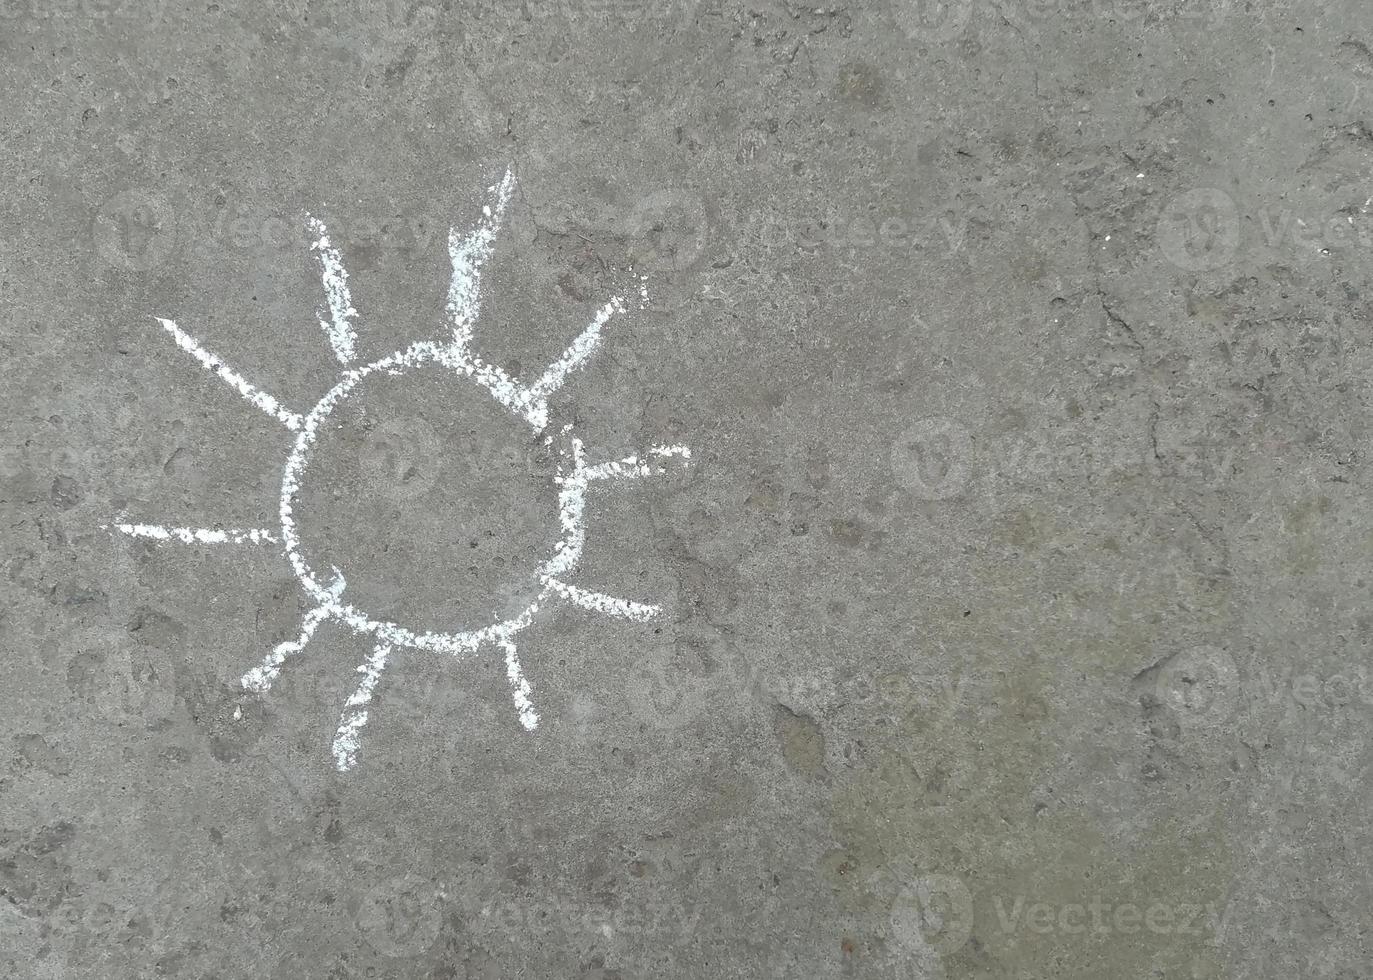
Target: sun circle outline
(566,552)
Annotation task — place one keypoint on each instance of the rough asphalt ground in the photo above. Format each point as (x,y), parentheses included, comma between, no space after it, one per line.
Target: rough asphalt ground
(1017,601)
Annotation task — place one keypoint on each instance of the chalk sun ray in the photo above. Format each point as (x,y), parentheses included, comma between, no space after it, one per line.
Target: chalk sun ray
(639,465)
(519,687)
(355,713)
(600,602)
(467,254)
(334,277)
(264,675)
(211,362)
(261,678)
(577,352)
(198,535)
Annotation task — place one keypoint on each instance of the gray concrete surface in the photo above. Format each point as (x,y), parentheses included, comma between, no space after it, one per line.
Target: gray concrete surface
(1017,600)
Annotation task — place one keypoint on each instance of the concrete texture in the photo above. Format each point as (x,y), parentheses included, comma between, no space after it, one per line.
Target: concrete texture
(1017,600)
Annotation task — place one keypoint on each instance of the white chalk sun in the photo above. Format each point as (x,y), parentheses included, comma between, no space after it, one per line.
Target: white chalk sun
(527,401)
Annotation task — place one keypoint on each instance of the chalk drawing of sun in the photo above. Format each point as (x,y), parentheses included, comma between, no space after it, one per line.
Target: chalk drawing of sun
(528,401)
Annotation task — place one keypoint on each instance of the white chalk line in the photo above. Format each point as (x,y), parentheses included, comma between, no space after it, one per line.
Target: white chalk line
(334,276)
(261,677)
(641,465)
(577,352)
(519,687)
(467,254)
(211,362)
(600,602)
(571,513)
(198,535)
(354,717)
(530,402)
(502,387)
